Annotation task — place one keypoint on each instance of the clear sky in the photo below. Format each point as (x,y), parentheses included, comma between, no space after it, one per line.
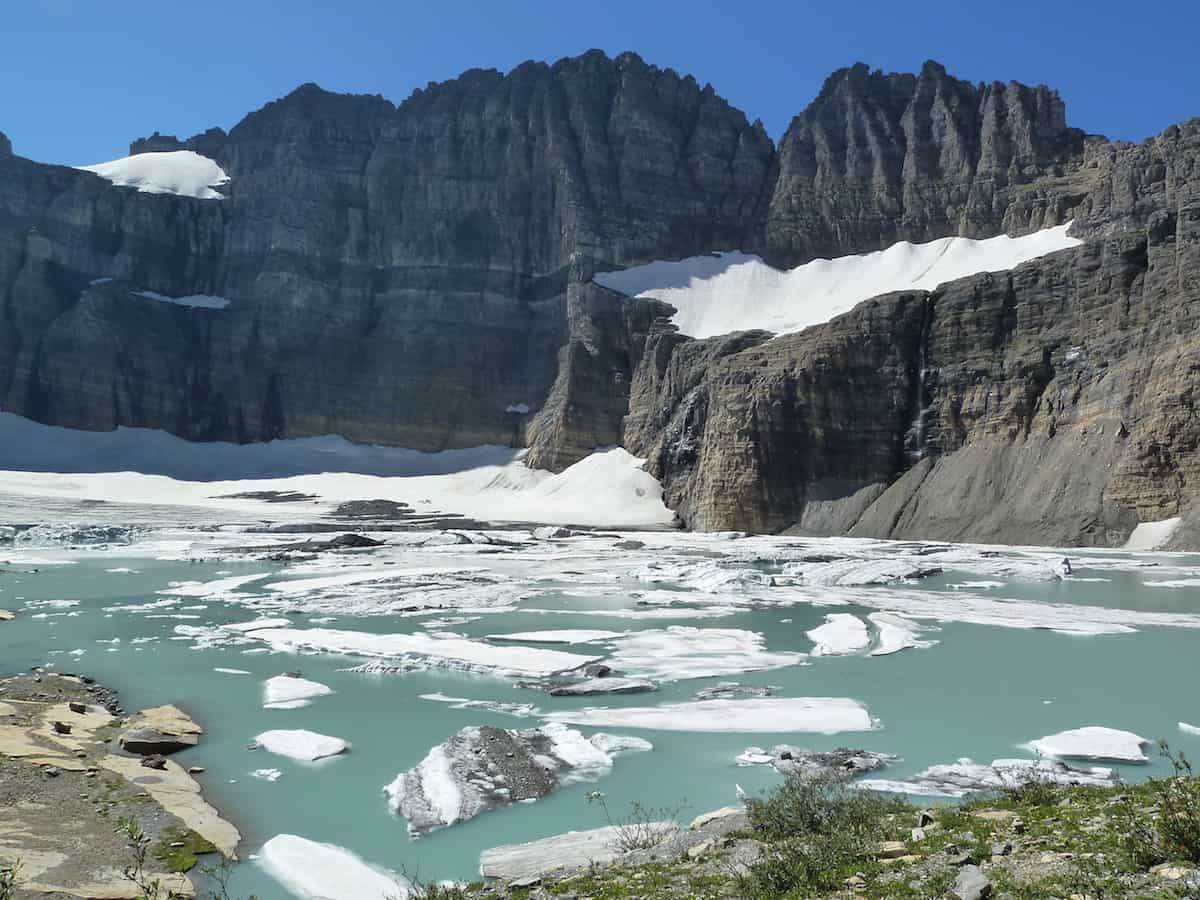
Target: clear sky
(80,78)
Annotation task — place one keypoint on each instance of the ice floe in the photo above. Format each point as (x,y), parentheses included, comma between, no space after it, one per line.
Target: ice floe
(300,744)
(839,763)
(841,634)
(966,776)
(290,692)
(896,633)
(1092,742)
(483,768)
(725,292)
(579,636)
(765,715)
(315,871)
(683,651)
(1189,729)
(426,650)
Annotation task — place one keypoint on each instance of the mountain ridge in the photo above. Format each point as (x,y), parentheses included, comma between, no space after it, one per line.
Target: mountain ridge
(411,274)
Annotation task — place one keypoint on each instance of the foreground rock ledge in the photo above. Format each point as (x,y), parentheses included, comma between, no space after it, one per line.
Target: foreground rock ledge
(65,794)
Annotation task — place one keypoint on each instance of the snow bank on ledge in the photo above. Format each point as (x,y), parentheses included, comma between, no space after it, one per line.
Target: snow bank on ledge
(608,489)
(727,292)
(195,301)
(179,172)
(767,715)
(314,871)
(1152,535)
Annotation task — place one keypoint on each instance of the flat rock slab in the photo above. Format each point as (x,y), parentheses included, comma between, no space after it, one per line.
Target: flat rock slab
(179,794)
(555,855)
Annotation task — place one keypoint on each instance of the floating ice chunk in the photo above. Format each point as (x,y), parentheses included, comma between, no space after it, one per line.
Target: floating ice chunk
(314,871)
(561,853)
(483,768)
(841,634)
(286,692)
(896,633)
(1174,583)
(965,776)
(613,744)
(982,585)
(221,587)
(225,671)
(684,651)
(859,572)
(725,292)
(1092,742)
(754,756)
(301,744)
(271,775)
(580,636)
(1189,729)
(179,172)
(455,653)
(520,710)
(1152,535)
(766,715)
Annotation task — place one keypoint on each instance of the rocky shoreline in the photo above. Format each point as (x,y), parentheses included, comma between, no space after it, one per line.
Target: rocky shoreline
(79,778)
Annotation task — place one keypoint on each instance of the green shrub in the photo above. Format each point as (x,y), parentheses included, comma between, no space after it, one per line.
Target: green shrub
(1173,832)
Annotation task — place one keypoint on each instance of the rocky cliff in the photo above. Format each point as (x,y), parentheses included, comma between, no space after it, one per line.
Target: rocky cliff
(419,275)
(1051,404)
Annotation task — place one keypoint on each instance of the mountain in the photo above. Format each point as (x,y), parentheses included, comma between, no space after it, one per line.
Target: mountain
(421,275)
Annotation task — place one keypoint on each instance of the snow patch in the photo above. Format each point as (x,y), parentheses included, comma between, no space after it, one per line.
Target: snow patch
(1152,535)
(195,301)
(180,172)
(725,292)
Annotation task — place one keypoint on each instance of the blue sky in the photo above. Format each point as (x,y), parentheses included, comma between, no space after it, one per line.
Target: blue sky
(80,78)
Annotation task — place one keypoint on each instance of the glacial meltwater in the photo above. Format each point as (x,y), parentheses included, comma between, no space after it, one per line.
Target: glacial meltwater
(994,648)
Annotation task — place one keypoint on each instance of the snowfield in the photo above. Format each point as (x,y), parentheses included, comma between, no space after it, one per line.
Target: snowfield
(180,172)
(608,489)
(726,292)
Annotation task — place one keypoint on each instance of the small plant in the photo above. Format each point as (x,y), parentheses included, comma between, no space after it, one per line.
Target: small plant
(149,886)
(219,874)
(9,873)
(644,827)
(818,830)
(1173,833)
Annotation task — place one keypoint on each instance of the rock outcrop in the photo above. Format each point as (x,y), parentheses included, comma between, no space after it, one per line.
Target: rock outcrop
(1050,404)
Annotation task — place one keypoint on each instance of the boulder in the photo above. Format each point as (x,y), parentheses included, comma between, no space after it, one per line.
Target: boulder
(971,884)
(147,741)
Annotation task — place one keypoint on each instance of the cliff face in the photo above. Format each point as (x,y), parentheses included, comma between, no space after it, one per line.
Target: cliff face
(1051,404)
(419,275)
(879,158)
(395,274)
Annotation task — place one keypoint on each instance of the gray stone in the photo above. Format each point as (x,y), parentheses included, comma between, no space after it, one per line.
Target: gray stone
(971,884)
(146,741)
